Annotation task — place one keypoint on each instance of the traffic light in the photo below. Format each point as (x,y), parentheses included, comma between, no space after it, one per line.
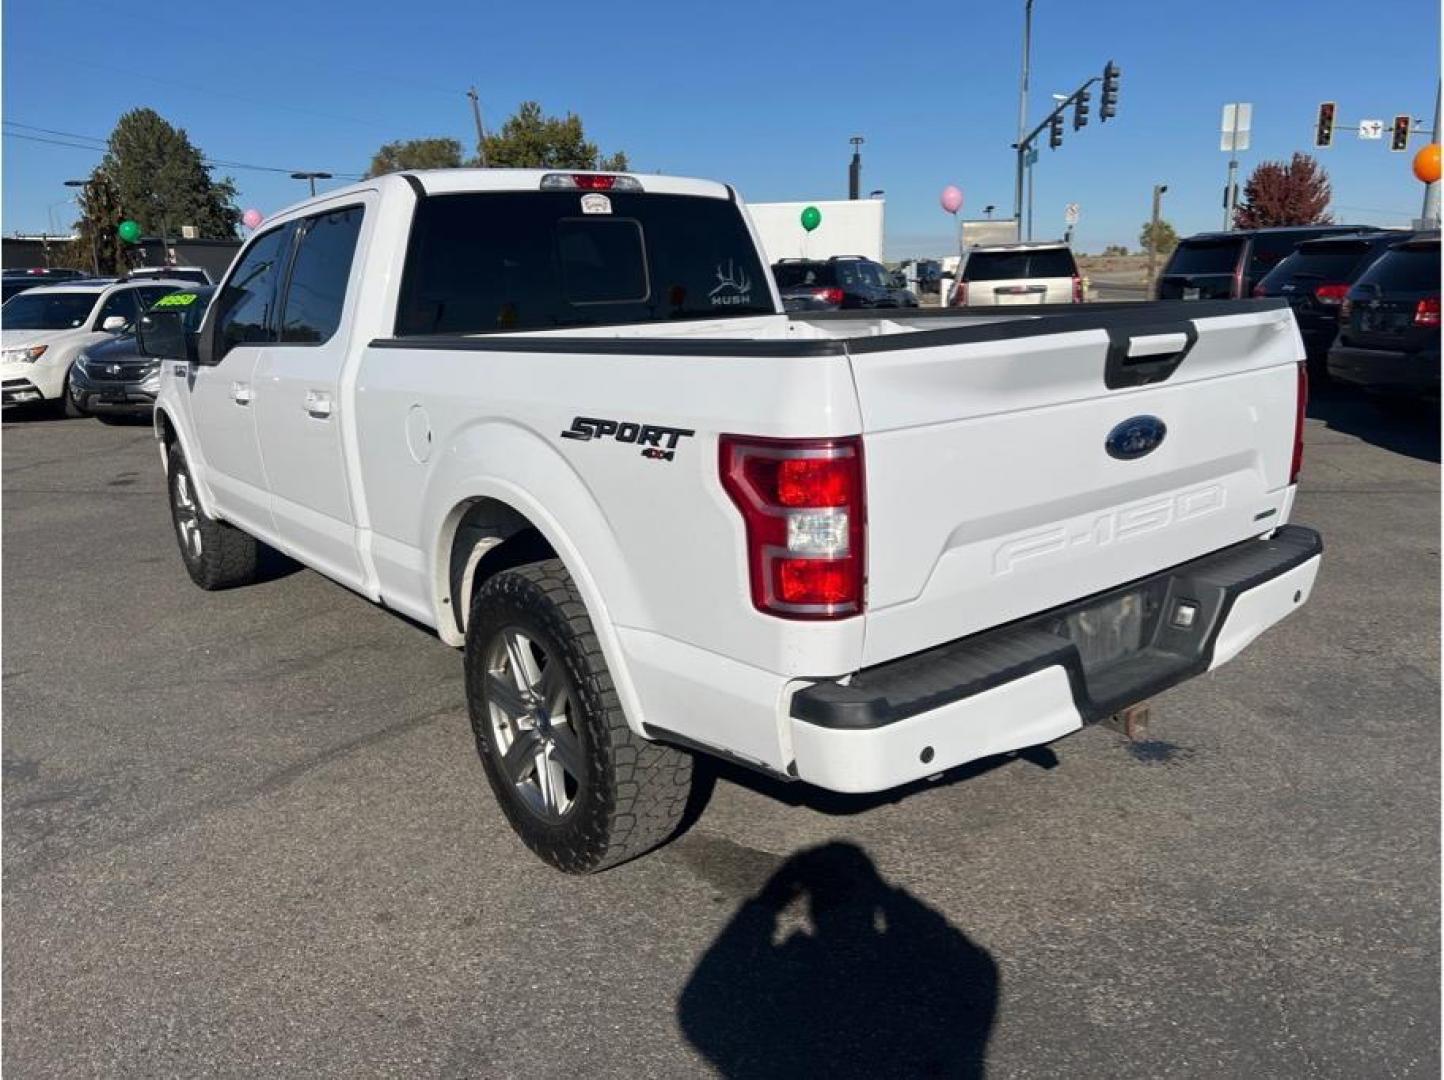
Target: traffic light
(1108,97)
(1055,131)
(1324,133)
(1080,109)
(1400,141)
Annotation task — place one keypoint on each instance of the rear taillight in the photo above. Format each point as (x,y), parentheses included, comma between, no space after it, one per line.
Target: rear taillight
(1331,294)
(803,505)
(1258,290)
(828,296)
(1426,312)
(1302,406)
(960,295)
(1077,289)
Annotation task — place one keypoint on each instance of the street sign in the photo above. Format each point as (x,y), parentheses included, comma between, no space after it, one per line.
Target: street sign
(1031,157)
(1070,214)
(1371,129)
(1237,120)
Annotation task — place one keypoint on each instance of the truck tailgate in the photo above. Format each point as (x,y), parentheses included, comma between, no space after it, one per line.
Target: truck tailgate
(993,493)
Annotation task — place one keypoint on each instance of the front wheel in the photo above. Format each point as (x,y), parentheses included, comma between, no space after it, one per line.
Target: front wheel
(217,555)
(579,787)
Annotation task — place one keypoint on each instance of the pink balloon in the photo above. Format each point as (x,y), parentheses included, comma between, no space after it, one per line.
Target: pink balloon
(952,198)
(251,218)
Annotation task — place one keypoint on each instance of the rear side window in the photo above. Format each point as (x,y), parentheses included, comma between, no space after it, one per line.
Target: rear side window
(1218,257)
(1406,270)
(1270,249)
(483,262)
(244,309)
(1008,265)
(316,292)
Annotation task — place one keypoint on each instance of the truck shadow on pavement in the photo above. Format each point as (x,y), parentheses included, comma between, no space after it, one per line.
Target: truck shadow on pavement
(830,971)
(1402,427)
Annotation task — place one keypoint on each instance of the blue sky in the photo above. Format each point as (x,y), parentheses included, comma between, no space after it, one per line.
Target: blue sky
(764,95)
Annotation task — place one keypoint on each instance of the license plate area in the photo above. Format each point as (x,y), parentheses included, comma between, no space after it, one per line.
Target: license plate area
(1111,630)
(1191,293)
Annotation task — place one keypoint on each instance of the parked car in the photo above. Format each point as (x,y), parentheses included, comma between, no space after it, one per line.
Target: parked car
(1227,265)
(49,273)
(115,378)
(42,330)
(841,282)
(196,275)
(1389,324)
(1314,280)
(562,418)
(1029,273)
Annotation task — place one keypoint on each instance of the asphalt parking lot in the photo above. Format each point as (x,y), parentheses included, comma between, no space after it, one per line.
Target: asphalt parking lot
(247,833)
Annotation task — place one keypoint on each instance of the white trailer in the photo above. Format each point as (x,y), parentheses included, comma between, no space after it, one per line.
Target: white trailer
(848,227)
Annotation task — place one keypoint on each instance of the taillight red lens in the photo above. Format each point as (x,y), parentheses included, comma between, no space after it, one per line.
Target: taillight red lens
(1426,312)
(594,181)
(829,296)
(1331,294)
(804,509)
(1297,465)
(960,295)
(1077,289)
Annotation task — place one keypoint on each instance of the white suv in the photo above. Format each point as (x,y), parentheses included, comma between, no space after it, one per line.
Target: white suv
(1041,273)
(43,330)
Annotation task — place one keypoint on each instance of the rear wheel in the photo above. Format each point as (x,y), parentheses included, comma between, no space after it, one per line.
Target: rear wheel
(579,787)
(217,555)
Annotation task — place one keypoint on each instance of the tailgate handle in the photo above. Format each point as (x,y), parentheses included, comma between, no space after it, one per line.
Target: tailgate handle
(1146,354)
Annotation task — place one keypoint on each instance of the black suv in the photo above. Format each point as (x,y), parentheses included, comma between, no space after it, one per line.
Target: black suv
(1227,265)
(1314,280)
(1389,323)
(843,281)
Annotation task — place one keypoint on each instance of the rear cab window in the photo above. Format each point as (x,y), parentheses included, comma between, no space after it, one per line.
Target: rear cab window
(1008,265)
(487,262)
(803,275)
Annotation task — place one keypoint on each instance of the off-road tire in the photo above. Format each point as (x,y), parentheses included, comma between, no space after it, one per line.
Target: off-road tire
(636,792)
(228,556)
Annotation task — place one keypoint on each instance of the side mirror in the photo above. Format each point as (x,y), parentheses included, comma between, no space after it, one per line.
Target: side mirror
(113,324)
(163,334)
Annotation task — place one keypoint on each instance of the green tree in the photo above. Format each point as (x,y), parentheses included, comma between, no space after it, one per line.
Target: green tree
(532,140)
(440,153)
(1296,193)
(161,180)
(1166,237)
(101,213)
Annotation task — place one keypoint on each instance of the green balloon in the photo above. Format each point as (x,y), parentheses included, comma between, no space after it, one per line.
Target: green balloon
(128,231)
(811,218)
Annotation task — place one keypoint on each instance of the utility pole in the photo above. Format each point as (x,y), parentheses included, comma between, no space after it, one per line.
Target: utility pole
(1430,213)
(854,168)
(480,131)
(1023,114)
(1158,190)
(312,177)
(1230,196)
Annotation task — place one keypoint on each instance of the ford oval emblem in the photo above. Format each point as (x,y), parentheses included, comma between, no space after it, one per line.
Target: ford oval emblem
(1136,437)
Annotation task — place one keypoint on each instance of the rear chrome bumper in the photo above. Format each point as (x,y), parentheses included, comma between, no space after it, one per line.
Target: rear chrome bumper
(1026,683)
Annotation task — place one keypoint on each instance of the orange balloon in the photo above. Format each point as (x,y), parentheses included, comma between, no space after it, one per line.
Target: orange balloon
(1426,163)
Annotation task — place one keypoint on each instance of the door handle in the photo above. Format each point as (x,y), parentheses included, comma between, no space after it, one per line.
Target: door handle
(318,404)
(240,393)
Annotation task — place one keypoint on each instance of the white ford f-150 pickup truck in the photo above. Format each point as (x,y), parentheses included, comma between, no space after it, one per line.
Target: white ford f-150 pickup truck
(561,418)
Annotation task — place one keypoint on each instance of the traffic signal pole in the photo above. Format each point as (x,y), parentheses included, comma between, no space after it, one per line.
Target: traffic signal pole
(1430,213)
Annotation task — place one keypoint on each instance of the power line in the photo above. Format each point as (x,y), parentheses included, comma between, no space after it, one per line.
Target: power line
(103,146)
